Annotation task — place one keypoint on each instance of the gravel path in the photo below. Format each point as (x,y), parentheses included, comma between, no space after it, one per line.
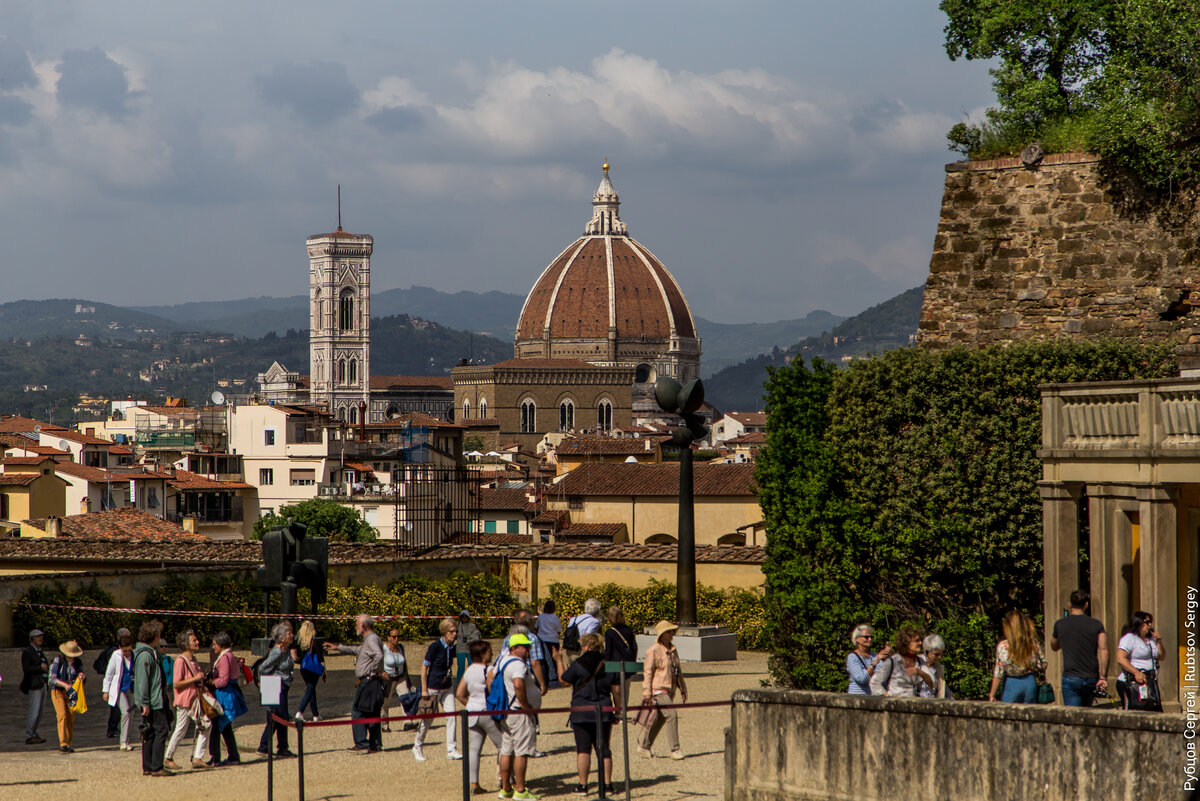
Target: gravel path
(97,770)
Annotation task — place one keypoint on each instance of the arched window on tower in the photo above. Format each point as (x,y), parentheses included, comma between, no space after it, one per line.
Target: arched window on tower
(354,371)
(604,416)
(482,407)
(316,321)
(466,409)
(566,415)
(346,310)
(353,413)
(341,371)
(528,416)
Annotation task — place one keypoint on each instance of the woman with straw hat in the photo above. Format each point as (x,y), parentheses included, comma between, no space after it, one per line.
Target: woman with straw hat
(661,677)
(65,668)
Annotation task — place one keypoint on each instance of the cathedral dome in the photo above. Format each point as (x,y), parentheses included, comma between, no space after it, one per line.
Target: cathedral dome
(606,299)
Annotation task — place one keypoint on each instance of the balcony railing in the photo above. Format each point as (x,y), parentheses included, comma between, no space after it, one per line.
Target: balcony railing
(208,517)
(1158,415)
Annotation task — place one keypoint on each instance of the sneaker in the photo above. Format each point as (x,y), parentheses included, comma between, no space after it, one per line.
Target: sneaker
(418,754)
(525,795)
(454,755)
(170,763)
(538,754)
(316,718)
(503,794)
(410,726)
(126,747)
(284,754)
(34,740)
(610,790)
(200,764)
(581,789)
(676,755)
(645,752)
(299,716)
(263,752)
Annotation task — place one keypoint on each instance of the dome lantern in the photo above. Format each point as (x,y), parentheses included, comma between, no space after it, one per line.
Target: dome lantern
(606,210)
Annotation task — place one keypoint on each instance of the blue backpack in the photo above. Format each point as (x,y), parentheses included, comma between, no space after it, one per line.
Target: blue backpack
(497,697)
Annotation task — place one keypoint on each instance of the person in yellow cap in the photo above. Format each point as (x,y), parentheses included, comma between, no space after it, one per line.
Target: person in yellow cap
(517,737)
(661,677)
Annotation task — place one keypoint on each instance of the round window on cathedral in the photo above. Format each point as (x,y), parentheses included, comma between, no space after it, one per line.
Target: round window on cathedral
(644,374)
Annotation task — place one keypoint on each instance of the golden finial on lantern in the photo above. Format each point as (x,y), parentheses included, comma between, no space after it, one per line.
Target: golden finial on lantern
(605,165)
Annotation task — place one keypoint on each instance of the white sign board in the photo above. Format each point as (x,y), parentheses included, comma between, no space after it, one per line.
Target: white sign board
(271,688)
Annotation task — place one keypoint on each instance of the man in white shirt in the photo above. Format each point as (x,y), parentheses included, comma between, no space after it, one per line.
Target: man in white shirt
(517,738)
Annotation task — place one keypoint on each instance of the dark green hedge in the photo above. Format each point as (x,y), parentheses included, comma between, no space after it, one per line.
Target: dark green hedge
(904,489)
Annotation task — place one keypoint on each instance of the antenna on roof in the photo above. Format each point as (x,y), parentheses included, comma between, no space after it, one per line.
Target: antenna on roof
(339,207)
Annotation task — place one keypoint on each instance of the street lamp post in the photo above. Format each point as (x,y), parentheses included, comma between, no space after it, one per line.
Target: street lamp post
(684,400)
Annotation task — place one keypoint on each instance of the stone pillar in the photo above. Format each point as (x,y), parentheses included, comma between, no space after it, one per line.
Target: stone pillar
(1159,582)
(1108,551)
(1060,544)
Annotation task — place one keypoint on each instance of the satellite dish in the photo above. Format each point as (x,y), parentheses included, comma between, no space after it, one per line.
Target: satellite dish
(63,445)
(218,398)
(37,429)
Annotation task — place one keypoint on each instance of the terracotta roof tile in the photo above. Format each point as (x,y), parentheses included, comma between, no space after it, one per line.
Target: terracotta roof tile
(752,438)
(749,418)
(443,382)
(127,523)
(592,531)
(481,422)
(15,424)
(483,538)
(656,479)
(24,460)
(361,467)
(512,500)
(95,475)
(607,446)
(75,436)
(556,516)
(18,441)
(18,479)
(187,552)
(186,480)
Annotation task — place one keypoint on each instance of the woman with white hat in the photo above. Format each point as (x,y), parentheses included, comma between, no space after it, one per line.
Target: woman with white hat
(661,677)
(65,668)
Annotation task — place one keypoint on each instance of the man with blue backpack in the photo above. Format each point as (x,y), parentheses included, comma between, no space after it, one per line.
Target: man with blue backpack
(517,737)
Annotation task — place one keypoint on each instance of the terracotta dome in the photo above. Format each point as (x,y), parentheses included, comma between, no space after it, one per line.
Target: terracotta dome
(607,299)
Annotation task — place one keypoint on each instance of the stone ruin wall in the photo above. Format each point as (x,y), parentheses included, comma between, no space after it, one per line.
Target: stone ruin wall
(1044,252)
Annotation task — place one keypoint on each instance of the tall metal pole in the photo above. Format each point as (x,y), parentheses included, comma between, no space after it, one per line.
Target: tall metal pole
(685,565)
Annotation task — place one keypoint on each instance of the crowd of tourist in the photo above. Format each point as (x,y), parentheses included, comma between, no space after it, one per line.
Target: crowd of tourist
(160,697)
(912,664)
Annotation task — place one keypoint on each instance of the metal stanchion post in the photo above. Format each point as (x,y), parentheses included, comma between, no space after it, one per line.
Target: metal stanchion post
(300,754)
(270,758)
(466,753)
(600,749)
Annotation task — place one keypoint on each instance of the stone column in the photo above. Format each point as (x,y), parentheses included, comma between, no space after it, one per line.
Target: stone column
(1108,551)
(1060,543)
(1159,582)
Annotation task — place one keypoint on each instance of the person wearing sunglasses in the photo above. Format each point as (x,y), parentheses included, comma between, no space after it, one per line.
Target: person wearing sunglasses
(861,662)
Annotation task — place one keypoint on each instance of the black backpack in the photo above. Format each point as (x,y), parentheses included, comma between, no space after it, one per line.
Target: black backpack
(571,636)
(101,663)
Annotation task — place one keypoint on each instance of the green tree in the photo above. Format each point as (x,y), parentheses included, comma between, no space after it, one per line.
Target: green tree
(324,518)
(904,489)
(1120,79)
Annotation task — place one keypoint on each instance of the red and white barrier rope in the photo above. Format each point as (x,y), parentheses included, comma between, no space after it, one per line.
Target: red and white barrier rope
(237,615)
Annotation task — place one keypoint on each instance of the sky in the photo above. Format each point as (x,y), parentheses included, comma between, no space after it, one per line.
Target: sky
(778,157)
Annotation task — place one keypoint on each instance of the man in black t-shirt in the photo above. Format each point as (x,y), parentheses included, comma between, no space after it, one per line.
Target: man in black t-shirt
(1084,644)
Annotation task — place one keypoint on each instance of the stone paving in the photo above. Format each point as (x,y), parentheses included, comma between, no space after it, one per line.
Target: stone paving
(99,770)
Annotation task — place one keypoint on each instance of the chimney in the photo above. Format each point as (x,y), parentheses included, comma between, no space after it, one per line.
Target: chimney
(53,526)
(189,525)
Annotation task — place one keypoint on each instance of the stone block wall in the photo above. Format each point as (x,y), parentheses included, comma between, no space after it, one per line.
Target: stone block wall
(1045,252)
(787,745)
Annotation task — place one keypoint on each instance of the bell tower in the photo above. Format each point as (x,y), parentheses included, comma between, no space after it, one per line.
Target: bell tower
(339,302)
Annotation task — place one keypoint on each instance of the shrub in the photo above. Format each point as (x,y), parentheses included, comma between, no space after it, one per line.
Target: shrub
(210,594)
(89,629)
(904,488)
(741,611)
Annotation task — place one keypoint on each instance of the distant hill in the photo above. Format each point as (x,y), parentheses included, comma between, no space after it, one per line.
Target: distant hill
(726,344)
(888,325)
(44,378)
(491,313)
(35,319)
